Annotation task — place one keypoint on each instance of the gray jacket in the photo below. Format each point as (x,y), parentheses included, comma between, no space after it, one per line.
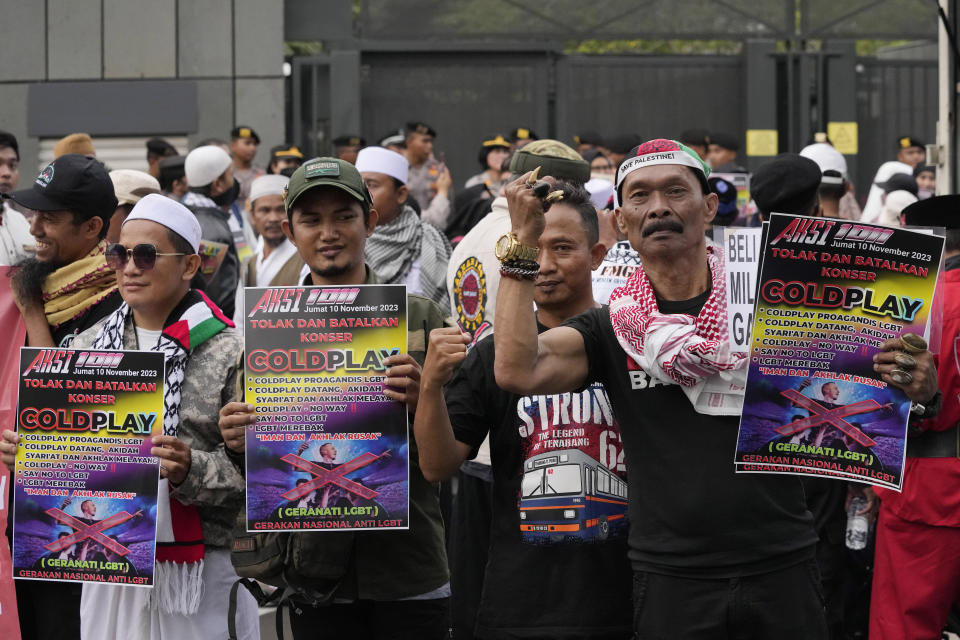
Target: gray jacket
(213,483)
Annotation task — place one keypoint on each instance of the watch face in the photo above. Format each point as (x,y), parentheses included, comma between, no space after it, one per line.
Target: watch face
(503,246)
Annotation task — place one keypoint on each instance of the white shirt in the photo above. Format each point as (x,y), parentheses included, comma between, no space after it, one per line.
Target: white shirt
(871,210)
(147,339)
(473,275)
(14,236)
(618,265)
(473,272)
(267,268)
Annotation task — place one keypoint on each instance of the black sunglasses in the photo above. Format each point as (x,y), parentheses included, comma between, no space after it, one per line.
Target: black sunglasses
(144,256)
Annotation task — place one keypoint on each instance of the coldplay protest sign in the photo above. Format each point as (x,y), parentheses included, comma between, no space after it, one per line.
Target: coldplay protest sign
(328,449)
(830,293)
(85,497)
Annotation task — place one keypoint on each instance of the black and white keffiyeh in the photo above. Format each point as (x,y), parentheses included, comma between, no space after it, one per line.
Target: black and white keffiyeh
(394,249)
(178,584)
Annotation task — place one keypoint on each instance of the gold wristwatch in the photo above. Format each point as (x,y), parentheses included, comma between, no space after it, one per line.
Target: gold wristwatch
(510,249)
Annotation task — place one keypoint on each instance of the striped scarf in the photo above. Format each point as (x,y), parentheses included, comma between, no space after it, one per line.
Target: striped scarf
(394,249)
(178,570)
(72,289)
(678,348)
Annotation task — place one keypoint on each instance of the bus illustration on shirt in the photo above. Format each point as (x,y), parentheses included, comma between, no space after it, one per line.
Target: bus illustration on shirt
(568,495)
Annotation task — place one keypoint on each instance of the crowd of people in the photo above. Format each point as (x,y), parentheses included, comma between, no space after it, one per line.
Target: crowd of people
(578,254)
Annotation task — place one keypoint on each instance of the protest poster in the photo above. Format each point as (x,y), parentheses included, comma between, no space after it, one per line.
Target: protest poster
(830,293)
(85,496)
(741,249)
(328,451)
(12,326)
(741,182)
(211,257)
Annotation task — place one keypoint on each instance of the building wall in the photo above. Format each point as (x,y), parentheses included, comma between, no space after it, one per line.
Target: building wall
(190,68)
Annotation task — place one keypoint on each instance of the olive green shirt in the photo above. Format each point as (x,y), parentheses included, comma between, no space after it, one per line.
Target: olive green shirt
(398,564)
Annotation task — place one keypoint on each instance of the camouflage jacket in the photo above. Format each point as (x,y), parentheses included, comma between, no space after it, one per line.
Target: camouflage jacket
(213,483)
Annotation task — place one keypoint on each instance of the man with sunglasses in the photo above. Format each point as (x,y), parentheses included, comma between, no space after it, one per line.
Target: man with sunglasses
(201,492)
(394,584)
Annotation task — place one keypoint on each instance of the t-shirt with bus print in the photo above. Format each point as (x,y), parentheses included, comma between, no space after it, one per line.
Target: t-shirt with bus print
(574,479)
(558,507)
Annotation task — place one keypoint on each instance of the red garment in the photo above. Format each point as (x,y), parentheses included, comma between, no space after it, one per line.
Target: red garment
(916,575)
(12,326)
(916,579)
(931,486)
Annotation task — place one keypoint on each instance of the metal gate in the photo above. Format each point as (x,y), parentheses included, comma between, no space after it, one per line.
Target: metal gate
(894,98)
(653,96)
(464,96)
(467,96)
(471,69)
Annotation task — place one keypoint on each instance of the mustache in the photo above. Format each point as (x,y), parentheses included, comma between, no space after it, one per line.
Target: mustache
(662,224)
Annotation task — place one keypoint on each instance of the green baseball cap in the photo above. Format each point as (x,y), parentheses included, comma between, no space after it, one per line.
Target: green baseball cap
(326,172)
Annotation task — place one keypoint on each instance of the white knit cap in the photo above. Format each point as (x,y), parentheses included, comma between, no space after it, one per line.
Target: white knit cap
(268,185)
(380,160)
(130,185)
(169,213)
(205,164)
(828,159)
(600,191)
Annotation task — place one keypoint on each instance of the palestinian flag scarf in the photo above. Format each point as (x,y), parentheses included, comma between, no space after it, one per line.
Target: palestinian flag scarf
(178,583)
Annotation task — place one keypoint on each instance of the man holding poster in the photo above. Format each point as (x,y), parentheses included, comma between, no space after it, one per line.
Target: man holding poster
(727,554)
(200,492)
(63,289)
(833,298)
(391,584)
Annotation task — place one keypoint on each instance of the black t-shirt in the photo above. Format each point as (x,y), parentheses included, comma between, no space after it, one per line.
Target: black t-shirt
(690,514)
(557,565)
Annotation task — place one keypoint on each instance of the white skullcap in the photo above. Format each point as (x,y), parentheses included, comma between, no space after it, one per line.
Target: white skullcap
(828,159)
(600,191)
(268,185)
(380,160)
(129,185)
(205,164)
(169,213)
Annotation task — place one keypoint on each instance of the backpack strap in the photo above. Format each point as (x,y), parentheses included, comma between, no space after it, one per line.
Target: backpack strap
(262,599)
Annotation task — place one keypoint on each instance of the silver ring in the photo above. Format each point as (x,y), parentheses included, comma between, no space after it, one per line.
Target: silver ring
(904,361)
(901,377)
(912,343)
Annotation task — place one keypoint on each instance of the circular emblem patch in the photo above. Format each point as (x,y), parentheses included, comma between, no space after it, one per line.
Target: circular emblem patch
(470,294)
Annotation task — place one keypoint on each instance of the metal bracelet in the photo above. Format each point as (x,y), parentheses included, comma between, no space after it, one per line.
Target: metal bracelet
(518,273)
(530,265)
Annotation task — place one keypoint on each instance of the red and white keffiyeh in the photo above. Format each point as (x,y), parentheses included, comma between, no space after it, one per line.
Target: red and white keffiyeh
(678,348)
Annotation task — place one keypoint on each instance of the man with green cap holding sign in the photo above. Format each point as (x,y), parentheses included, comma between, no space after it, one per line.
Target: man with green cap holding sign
(394,584)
